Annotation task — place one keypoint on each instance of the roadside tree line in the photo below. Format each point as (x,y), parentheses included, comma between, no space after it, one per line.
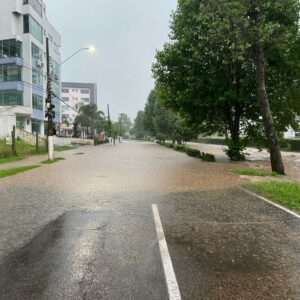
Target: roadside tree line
(230,68)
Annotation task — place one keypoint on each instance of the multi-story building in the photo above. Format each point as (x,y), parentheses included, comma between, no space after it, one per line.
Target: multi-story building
(74,95)
(23,31)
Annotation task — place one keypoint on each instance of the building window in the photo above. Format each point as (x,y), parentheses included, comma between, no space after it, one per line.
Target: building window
(37,78)
(10,48)
(37,55)
(9,98)
(85,99)
(33,27)
(10,72)
(54,69)
(85,91)
(55,88)
(36,126)
(37,102)
(65,99)
(65,91)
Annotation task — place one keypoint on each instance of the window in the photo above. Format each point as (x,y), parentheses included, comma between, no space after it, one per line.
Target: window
(65,99)
(65,91)
(10,48)
(55,88)
(33,27)
(19,123)
(36,53)
(10,72)
(54,69)
(36,5)
(8,98)
(85,91)
(85,99)
(37,78)
(35,126)
(37,102)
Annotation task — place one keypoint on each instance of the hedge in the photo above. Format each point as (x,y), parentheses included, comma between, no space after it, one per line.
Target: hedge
(190,151)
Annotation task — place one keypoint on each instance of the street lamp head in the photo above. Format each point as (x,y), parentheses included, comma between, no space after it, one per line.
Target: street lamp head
(92,49)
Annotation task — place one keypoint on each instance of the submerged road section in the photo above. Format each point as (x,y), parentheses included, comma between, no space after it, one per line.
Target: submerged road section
(139,221)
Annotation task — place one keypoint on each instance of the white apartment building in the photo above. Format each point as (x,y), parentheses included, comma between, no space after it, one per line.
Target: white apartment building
(23,31)
(75,94)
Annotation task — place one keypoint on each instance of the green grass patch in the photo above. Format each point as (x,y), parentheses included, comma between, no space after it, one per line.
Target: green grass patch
(49,162)
(11,159)
(254,172)
(285,193)
(22,148)
(79,153)
(14,171)
(63,148)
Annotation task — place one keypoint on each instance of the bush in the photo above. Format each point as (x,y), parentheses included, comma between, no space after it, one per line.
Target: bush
(192,152)
(208,157)
(235,150)
(179,147)
(294,145)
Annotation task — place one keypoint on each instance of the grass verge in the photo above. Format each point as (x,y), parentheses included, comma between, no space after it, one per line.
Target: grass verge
(63,148)
(254,172)
(11,159)
(49,162)
(14,171)
(79,153)
(285,193)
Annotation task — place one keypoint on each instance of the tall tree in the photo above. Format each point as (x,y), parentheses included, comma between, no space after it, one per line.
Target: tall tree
(138,129)
(211,72)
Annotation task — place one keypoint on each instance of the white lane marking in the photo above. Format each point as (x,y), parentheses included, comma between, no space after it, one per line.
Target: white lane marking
(173,289)
(271,202)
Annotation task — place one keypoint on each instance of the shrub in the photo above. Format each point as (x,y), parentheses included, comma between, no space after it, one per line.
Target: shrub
(192,152)
(179,147)
(208,157)
(294,145)
(169,145)
(235,150)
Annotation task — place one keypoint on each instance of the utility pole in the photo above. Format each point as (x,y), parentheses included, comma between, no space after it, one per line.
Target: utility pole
(49,106)
(109,122)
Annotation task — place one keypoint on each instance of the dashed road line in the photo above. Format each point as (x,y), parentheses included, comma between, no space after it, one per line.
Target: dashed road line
(173,289)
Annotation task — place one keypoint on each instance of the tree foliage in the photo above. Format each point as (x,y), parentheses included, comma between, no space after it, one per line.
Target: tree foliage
(207,72)
(90,118)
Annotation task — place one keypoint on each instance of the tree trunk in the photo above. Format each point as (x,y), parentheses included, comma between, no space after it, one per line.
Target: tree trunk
(271,134)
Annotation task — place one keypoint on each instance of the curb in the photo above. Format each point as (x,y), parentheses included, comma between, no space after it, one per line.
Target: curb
(270,202)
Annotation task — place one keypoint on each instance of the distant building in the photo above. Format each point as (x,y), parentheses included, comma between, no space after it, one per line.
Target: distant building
(75,94)
(23,31)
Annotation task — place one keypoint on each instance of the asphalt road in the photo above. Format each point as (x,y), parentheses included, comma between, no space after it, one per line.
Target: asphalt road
(83,228)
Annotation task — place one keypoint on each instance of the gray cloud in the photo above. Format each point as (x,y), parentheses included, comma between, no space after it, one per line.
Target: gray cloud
(126,34)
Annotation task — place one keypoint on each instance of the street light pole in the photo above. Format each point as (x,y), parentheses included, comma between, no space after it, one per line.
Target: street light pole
(49,106)
(50,114)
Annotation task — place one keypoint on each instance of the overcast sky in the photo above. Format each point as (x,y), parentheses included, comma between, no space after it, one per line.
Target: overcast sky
(126,34)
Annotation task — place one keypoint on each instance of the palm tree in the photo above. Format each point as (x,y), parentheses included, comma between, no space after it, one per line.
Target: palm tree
(90,118)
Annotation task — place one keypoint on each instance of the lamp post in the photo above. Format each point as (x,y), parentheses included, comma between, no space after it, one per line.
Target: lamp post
(120,123)
(50,114)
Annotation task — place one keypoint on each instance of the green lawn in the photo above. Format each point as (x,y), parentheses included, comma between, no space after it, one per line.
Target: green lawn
(14,171)
(63,148)
(48,161)
(285,193)
(10,159)
(253,172)
(22,148)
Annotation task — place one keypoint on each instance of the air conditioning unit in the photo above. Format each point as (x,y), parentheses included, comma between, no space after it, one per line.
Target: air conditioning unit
(40,64)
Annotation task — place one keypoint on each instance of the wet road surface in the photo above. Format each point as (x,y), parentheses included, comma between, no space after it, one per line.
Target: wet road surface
(83,229)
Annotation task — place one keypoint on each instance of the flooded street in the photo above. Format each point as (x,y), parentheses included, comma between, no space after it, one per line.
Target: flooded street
(83,228)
